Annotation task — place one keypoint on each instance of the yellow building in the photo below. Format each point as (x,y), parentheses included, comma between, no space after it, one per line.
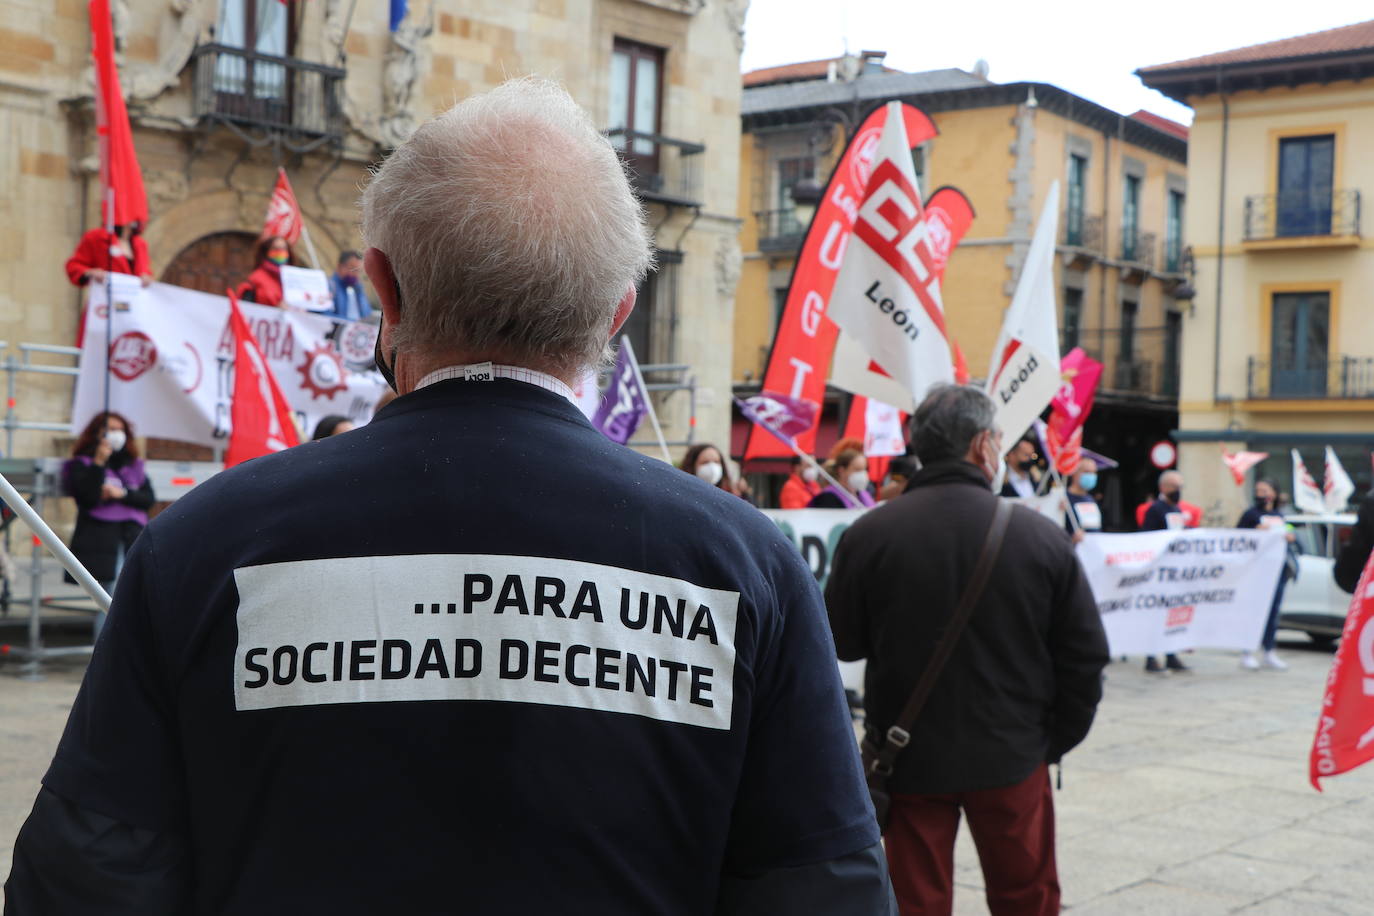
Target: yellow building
(1279,349)
(1123,189)
(222,92)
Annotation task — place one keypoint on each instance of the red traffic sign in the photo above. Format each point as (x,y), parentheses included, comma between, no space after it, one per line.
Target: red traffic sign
(1163,455)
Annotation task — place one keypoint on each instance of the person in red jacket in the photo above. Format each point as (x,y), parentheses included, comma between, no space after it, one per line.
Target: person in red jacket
(99,250)
(801,487)
(263,285)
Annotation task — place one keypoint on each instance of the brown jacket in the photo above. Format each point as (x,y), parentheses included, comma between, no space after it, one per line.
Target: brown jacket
(1024,681)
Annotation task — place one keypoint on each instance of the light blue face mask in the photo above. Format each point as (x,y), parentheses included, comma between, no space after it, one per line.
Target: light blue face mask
(1087,481)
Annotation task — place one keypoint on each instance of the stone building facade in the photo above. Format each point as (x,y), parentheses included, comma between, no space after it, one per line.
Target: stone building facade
(223,92)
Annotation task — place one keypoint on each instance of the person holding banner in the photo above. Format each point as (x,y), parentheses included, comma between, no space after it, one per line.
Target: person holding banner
(100,251)
(263,285)
(346,286)
(105,476)
(801,485)
(850,471)
(1166,513)
(1264,514)
(473,655)
(1084,507)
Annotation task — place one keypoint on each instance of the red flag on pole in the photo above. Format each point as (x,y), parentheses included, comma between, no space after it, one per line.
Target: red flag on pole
(961,376)
(1241,462)
(259,414)
(283,213)
(118,162)
(1345,727)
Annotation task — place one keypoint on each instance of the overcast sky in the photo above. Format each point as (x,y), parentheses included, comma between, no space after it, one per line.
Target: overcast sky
(1090,49)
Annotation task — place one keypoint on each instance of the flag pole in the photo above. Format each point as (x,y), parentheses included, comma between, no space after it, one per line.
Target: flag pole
(109,288)
(309,245)
(26,513)
(648,401)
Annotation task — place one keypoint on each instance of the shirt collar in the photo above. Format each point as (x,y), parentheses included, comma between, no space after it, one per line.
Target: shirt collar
(486,372)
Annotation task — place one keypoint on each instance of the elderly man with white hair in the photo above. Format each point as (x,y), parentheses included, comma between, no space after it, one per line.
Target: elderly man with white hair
(472,657)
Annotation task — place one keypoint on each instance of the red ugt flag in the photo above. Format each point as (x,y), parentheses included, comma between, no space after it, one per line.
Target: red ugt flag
(283,213)
(1345,728)
(118,162)
(260,417)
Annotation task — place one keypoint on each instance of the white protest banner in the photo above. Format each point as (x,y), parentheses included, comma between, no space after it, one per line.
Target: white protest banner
(1166,591)
(172,363)
(883,434)
(1051,505)
(306,288)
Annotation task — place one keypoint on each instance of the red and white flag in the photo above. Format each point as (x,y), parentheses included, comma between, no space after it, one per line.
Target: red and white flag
(1241,462)
(1307,496)
(283,213)
(1345,727)
(887,295)
(1024,375)
(805,338)
(1337,488)
(259,414)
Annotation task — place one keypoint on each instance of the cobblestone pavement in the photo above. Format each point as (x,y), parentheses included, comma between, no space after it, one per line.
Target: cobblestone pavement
(1190,796)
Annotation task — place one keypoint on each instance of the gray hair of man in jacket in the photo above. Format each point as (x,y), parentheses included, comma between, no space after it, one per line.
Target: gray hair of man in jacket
(505,229)
(957,423)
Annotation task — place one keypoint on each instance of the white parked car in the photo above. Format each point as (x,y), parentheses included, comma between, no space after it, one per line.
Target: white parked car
(1314,603)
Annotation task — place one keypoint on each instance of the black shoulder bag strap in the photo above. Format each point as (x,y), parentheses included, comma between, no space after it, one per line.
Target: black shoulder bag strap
(878,761)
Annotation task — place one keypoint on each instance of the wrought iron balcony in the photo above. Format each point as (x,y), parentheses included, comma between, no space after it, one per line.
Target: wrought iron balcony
(1083,232)
(779,230)
(1339,377)
(263,92)
(662,169)
(1137,248)
(1139,364)
(1173,255)
(1297,214)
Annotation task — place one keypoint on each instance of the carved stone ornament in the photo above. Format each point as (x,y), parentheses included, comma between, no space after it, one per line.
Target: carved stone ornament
(195,19)
(677,6)
(735,11)
(406,59)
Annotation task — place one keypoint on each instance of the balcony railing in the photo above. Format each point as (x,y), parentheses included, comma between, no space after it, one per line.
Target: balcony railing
(1339,377)
(1173,254)
(779,230)
(280,95)
(1141,363)
(662,170)
(1293,214)
(1083,232)
(1138,247)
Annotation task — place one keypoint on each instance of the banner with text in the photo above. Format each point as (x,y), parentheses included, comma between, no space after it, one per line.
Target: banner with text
(1165,591)
(172,363)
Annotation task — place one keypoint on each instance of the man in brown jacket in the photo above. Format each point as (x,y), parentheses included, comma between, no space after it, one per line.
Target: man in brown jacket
(1020,689)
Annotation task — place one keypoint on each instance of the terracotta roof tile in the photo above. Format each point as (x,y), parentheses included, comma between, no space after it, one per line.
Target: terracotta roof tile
(1159,122)
(791,73)
(1357,37)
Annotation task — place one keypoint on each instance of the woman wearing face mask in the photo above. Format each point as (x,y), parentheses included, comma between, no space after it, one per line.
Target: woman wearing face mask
(851,470)
(1264,513)
(704,461)
(801,486)
(263,285)
(105,476)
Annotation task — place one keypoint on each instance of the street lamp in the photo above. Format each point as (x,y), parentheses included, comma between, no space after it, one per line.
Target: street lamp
(1185,291)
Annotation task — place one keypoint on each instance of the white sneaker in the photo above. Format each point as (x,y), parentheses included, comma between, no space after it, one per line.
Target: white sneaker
(1249,662)
(1272,660)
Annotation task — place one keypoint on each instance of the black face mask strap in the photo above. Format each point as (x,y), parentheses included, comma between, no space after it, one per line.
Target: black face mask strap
(388,371)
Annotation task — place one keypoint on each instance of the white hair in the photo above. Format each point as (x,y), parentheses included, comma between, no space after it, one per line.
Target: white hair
(511,229)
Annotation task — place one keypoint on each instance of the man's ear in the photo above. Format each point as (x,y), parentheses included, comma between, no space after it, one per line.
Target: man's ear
(622,311)
(378,268)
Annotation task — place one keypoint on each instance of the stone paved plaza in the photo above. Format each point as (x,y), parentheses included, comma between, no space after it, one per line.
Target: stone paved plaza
(1189,797)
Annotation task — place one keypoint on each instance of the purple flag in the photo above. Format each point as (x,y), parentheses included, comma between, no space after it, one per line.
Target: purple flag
(784,417)
(626,402)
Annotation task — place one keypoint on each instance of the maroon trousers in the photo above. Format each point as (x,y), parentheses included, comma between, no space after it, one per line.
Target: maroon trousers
(1013,828)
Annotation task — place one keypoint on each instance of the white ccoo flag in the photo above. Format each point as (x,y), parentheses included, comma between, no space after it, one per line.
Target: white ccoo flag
(887,294)
(1024,375)
(1338,487)
(1307,496)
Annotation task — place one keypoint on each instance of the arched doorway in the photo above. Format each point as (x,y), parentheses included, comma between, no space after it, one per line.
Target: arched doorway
(213,263)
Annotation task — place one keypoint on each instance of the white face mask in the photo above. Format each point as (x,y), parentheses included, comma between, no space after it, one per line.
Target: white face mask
(711,472)
(809,473)
(116,439)
(858,481)
(1000,477)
